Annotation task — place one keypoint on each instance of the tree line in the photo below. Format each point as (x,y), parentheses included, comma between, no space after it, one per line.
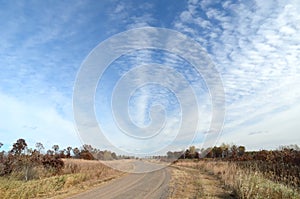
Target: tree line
(286,154)
(24,163)
(223,151)
(21,161)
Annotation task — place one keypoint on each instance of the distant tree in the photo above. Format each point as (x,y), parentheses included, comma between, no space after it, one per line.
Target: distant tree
(100,155)
(2,161)
(170,154)
(19,147)
(85,154)
(22,160)
(62,153)
(219,152)
(208,152)
(76,152)
(69,149)
(192,149)
(39,146)
(241,150)
(289,147)
(55,148)
(36,156)
(88,147)
(234,150)
(192,152)
(114,156)
(50,152)
(225,149)
(107,155)
(187,154)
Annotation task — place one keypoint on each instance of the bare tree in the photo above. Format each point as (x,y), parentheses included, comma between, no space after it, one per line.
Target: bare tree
(39,146)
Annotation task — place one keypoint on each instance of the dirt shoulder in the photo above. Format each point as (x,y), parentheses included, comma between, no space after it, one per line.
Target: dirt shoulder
(187,182)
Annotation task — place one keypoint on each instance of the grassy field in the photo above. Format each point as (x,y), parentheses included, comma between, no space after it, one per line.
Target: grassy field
(245,184)
(76,176)
(190,179)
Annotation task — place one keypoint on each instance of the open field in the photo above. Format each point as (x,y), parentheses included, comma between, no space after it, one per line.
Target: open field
(244,183)
(76,176)
(183,179)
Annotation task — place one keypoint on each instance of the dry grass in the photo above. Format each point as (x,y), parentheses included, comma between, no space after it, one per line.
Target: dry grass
(246,183)
(77,175)
(189,182)
(184,183)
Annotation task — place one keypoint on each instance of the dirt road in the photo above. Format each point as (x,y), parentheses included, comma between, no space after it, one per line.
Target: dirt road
(136,185)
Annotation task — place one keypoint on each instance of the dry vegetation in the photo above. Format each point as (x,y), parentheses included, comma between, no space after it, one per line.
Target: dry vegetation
(246,183)
(255,174)
(184,183)
(189,182)
(32,173)
(76,176)
(225,172)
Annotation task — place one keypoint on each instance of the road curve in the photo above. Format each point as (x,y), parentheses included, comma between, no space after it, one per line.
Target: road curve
(136,185)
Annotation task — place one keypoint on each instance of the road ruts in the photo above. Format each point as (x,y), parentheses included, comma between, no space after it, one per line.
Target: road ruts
(143,185)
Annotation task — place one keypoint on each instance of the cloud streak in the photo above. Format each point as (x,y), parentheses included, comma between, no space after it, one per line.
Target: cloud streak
(255,46)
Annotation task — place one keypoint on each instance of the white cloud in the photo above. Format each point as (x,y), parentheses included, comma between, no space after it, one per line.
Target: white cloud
(254,44)
(257,54)
(131,15)
(135,71)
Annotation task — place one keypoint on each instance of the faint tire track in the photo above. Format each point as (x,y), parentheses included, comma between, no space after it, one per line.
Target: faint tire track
(143,185)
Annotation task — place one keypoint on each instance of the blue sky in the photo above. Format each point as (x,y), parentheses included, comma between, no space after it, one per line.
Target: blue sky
(255,46)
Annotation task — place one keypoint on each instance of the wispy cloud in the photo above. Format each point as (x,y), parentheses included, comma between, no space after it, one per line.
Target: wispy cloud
(257,132)
(255,46)
(128,15)
(146,79)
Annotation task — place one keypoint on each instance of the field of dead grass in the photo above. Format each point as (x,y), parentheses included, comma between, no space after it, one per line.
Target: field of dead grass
(246,183)
(77,176)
